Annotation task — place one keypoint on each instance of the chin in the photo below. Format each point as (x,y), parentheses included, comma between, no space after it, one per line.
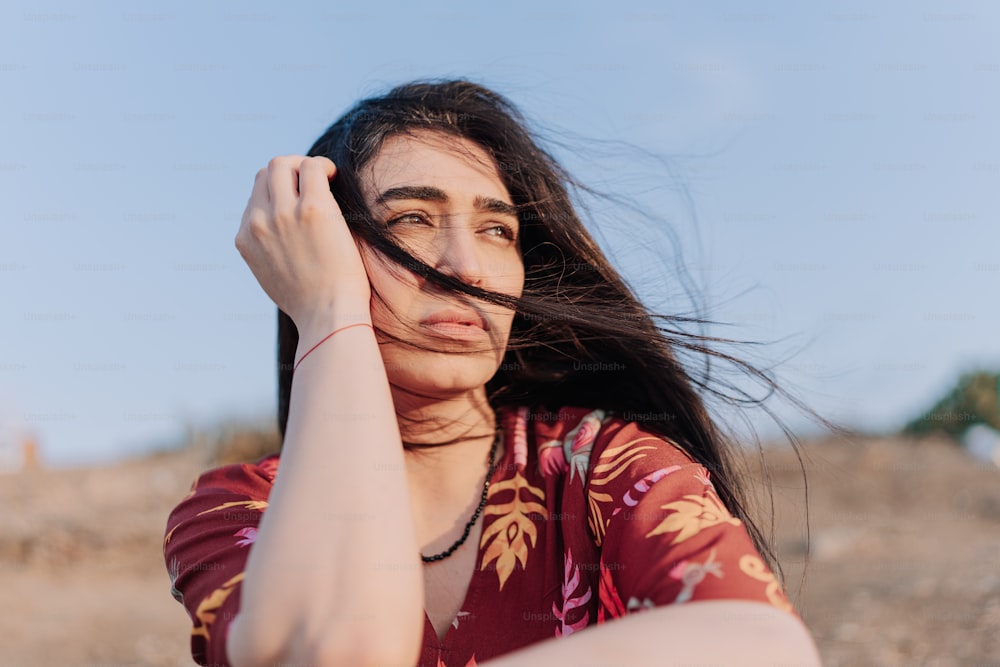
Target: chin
(438,373)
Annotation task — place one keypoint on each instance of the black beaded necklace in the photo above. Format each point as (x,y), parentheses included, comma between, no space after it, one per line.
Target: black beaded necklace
(482,504)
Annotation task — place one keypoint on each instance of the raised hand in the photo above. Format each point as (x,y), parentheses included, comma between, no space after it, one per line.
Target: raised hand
(296,242)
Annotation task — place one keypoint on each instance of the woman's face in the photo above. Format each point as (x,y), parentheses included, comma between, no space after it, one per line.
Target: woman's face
(442,199)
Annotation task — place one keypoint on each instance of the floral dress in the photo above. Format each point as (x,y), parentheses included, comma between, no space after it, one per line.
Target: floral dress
(588,518)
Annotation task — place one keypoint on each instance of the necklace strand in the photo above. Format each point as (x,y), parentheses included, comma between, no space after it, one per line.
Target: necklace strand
(482,504)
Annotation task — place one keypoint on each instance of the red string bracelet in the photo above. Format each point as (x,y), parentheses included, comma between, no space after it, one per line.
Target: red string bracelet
(328,337)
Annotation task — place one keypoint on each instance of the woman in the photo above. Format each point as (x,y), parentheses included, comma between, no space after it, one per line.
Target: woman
(475,384)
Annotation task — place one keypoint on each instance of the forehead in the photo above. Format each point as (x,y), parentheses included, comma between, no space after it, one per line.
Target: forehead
(456,165)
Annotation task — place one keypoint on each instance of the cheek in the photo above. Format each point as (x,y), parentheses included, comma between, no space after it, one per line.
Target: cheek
(392,290)
(516,284)
(507,272)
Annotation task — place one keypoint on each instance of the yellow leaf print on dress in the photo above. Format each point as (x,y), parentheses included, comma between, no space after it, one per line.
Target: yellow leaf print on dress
(259,505)
(692,514)
(508,535)
(205,613)
(753,566)
(621,457)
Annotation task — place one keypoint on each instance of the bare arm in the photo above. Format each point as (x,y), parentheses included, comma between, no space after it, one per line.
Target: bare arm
(335,559)
(711,632)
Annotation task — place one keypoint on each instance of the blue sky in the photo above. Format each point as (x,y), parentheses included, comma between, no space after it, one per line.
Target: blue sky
(830,171)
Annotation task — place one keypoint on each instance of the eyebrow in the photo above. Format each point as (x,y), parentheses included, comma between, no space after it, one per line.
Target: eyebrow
(430,193)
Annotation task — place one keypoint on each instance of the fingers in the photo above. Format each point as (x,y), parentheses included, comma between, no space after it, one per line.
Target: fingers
(283,180)
(328,166)
(315,175)
(292,176)
(277,188)
(255,213)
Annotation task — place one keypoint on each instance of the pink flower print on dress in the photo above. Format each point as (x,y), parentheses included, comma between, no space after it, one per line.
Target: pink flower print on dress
(579,442)
(249,536)
(521,438)
(571,582)
(551,459)
(691,574)
(644,485)
(269,467)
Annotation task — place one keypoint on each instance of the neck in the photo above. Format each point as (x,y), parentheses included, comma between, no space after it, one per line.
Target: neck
(449,422)
(449,475)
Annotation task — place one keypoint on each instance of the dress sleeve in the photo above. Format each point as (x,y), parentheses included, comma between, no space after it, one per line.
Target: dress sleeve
(664,534)
(208,537)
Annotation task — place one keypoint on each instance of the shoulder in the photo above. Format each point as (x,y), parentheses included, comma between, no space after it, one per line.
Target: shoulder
(226,490)
(664,534)
(208,535)
(240,475)
(250,478)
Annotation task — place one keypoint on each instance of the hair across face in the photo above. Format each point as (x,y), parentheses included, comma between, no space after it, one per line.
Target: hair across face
(441,199)
(564,269)
(578,335)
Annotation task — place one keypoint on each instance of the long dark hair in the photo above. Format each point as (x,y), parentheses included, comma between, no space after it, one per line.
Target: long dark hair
(580,336)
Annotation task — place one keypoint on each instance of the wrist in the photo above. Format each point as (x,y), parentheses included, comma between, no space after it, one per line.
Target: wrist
(306,347)
(321,321)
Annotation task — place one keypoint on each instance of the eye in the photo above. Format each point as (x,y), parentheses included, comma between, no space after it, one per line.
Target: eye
(502,231)
(408,218)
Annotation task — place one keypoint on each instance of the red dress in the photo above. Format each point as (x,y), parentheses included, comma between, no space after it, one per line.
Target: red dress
(588,518)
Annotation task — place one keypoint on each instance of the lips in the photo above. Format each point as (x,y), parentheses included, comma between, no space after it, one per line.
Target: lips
(457,318)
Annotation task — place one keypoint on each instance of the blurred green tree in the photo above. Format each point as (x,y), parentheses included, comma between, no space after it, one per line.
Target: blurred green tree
(975,399)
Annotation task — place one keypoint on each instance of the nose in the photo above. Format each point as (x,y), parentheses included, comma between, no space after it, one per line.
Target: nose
(459,256)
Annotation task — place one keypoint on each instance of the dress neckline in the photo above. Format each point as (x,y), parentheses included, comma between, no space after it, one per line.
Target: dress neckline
(472,594)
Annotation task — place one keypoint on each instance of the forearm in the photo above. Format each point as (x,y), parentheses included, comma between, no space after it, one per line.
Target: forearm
(711,632)
(336,558)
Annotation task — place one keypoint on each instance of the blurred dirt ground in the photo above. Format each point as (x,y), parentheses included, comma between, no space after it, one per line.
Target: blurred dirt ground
(904,569)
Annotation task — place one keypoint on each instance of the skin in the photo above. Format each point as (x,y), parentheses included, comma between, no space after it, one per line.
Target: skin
(458,238)
(440,395)
(317,578)
(296,242)
(443,200)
